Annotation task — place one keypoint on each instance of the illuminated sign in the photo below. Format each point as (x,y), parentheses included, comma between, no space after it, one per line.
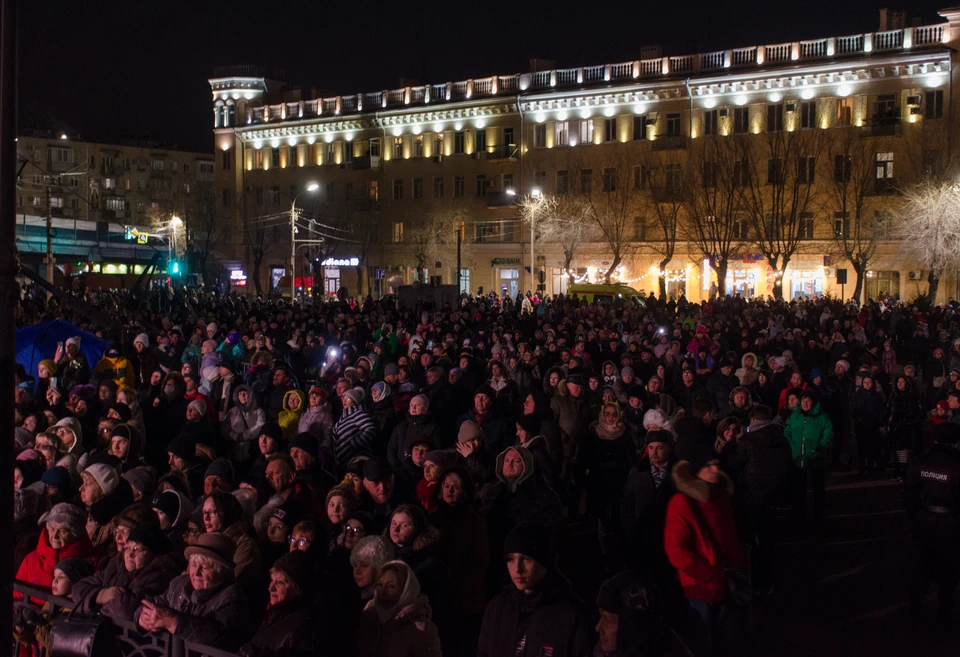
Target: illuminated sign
(341,262)
(237,275)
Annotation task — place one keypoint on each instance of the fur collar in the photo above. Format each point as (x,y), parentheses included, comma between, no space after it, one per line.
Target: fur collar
(688,483)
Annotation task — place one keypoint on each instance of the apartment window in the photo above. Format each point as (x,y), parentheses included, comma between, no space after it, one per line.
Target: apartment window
(673,178)
(932,161)
(459,143)
(397,232)
(563,182)
(418,146)
(610,129)
(348,151)
(226,160)
(438,144)
(225,201)
(458,186)
(509,230)
(258,159)
(710,122)
(741,120)
(480,137)
(806,169)
(375,147)
(586,181)
(806,225)
(774,117)
(373,190)
(157,165)
(808,114)
(540,135)
(128,185)
(540,180)
(418,188)
(884,166)
(774,171)
(933,104)
(885,108)
(845,111)
(739,229)
(438,187)
(640,127)
(640,229)
(507,182)
(709,174)
(609,179)
(330,154)
(641,177)
(508,137)
(397,189)
(113,203)
(480,185)
(275,196)
(563,133)
(842,166)
(841,225)
(673,125)
(586,131)
(397,148)
(110,183)
(64,155)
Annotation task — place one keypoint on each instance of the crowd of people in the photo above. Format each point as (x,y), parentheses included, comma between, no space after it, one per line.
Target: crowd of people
(345,478)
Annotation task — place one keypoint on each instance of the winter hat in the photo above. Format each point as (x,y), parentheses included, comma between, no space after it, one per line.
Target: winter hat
(49,364)
(74,340)
(307,442)
(635,391)
(22,436)
(122,410)
(289,513)
(319,392)
(469,430)
(810,393)
(355,394)
(85,392)
(142,339)
(26,502)
(142,479)
(443,458)
(343,490)
(380,391)
(529,539)
(485,390)
(66,514)
(845,364)
(75,568)
(170,503)
(943,405)
(656,418)
(273,430)
(422,399)
(137,515)
(233,337)
(199,405)
(105,476)
(627,371)
(658,436)
(222,468)
(530,424)
(298,566)
(371,551)
(700,455)
(216,546)
(183,446)
(193,376)
(391,369)
(151,538)
(209,344)
(59,478)
(212,327)
(104,458)
(376,469)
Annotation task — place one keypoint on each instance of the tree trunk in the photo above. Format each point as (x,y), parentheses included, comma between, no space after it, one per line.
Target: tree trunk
(613,267)
(933,278)
(778,288)
(359,269)
(256,276)
(859,270)
(663,278)
(721,269)
(567,261)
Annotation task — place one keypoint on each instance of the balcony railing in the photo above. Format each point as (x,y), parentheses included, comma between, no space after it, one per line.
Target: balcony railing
(931,36)
(669,142)
(502,152)
(887,126)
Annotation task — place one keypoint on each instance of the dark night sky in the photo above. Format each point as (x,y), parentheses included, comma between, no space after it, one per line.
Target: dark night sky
(116,68)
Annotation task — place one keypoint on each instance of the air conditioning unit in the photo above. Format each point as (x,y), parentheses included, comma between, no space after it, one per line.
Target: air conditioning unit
(830,272)
(725,111)
(915,275)
(913,100)
(651,121)
(438,158)
(791,107)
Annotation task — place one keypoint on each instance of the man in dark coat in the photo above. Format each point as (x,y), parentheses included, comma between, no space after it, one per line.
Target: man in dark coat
(497,433)
(537,612)
(721,383)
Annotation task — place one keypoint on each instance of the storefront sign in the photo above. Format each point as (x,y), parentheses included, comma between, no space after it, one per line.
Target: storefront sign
(504,261)
(341,262)
(238,278)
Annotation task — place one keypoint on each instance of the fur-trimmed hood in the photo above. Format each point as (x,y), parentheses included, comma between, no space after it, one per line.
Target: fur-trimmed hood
(691,486)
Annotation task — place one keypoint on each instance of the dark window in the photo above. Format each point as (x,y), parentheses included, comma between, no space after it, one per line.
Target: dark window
(227,193)
(586,181)
(673,125)
(481,139)
(806,169)
(842,165)
(458,142)
(774,171)
(709,174)
(563,182)
(774,117)
(741,120)
(610,179)
(640,127)
(418,188)
(397,189)
(710,122)
(933,104)
(808,114)
(227,160)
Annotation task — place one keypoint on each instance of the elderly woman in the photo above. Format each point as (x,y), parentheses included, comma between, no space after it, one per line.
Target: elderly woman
(222,513)
(419,422)
(290,624)
(607,455)
(398,623)
(63,536)
(367,557)
(144,568)
(206,605)
(105,495)
(355,431)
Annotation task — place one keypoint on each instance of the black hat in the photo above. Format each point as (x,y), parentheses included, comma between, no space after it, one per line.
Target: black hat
(75,568)
(810,393)
(630,592)
(289,513)
(183,446)
(700,455)
(530,424)
(575,379)
(307,442)
(273,430)
(122,410)
(222,468)
(530,539)
(635,391)
(485,390)
(423,439)
(658,436)
(153,539)
(376,469)
(299,567)
(169,502)
(105,458)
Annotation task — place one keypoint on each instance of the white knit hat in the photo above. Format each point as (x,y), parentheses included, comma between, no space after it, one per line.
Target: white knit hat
(105,476)
(143,339)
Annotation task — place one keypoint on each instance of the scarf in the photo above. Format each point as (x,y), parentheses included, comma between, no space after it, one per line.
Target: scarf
(610,432)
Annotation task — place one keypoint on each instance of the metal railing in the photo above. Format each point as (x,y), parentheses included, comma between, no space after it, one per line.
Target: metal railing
(131,642)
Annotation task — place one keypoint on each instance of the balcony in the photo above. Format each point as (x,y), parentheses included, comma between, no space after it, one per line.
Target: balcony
(500,199)
(502,152)
(884,126)
(670,143)
(366,162)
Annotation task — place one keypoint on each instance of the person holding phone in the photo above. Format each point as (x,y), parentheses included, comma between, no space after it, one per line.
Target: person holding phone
(73,369)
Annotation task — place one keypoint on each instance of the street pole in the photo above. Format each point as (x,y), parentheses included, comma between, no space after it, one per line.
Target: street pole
(9,290)
(459,238)
(293,251)
(49,256)
(533,262)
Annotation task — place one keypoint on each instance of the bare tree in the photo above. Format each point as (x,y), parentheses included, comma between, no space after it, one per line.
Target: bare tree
(668,186)
(779,195)
(928,229)
(434,238)
(614,204)
(714,222)
(564,220)
(261,234)
(857,230)
(204,226)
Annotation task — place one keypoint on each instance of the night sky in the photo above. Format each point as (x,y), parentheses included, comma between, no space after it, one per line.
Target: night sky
(111,69)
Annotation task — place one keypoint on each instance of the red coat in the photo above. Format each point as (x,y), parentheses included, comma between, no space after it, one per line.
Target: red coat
(699,570)
(425,495)
(38,566)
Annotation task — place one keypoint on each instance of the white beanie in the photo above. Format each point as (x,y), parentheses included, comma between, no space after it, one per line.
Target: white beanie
(105,476)
(142,339)
(212,327)
(844,363)
(75,340)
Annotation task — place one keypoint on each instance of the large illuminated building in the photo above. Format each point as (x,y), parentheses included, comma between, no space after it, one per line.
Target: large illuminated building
(460,154)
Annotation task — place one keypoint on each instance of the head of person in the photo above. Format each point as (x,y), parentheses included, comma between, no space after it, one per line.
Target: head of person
(513,466)
(290,577)
(303,450)
(182,452)
(575,385)
(210,561)
(281,472)
(728,428)
(341,504)
(143,545)
(396,584)
(171,507)
(419,405)
(281,522)
(659,447)
(98,481)
(528,555)
(378,480)
(270,440)
(455,487)
(65,524)
(407,522)
(705,464)
(483,400)
(367,557)
(68,572)
(808,400)
(631,613)
(219,511)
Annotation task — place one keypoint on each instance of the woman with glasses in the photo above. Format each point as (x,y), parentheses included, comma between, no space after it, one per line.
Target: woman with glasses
(223,514)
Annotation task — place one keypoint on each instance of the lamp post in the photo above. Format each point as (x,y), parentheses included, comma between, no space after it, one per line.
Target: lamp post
(312,187)
(536,195)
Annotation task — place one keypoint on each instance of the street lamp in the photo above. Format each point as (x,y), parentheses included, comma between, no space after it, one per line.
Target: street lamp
(312,187)
(534,194)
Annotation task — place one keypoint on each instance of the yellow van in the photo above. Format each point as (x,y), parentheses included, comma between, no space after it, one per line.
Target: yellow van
(600,293)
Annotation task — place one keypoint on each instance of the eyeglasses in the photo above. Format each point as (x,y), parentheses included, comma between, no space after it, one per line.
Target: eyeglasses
(299,542)
(192,532)
(134,551)
(211,514)
(355,530)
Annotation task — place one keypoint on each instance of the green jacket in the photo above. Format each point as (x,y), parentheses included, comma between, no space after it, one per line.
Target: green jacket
(809,434)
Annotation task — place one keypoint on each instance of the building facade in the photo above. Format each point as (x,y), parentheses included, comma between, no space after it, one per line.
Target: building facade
(739,170)
(109,207)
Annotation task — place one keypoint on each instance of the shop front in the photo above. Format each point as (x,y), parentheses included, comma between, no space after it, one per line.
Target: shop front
(881,284)
(806,283)
(507,276)
(741,282)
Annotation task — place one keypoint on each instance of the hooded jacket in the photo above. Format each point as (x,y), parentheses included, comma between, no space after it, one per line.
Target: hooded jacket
(748,375)
(810,436)
(119,370)
(38,566)
(241,427)
(318,421)
(404,630)
(289,420)
(700,562)
(760,462)
(525,498)
(570,414)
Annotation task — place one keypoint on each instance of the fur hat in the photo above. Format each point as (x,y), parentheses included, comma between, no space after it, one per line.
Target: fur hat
(372,551)
(66,514)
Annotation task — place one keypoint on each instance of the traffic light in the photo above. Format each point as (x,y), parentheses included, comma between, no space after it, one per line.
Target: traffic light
(175,267)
